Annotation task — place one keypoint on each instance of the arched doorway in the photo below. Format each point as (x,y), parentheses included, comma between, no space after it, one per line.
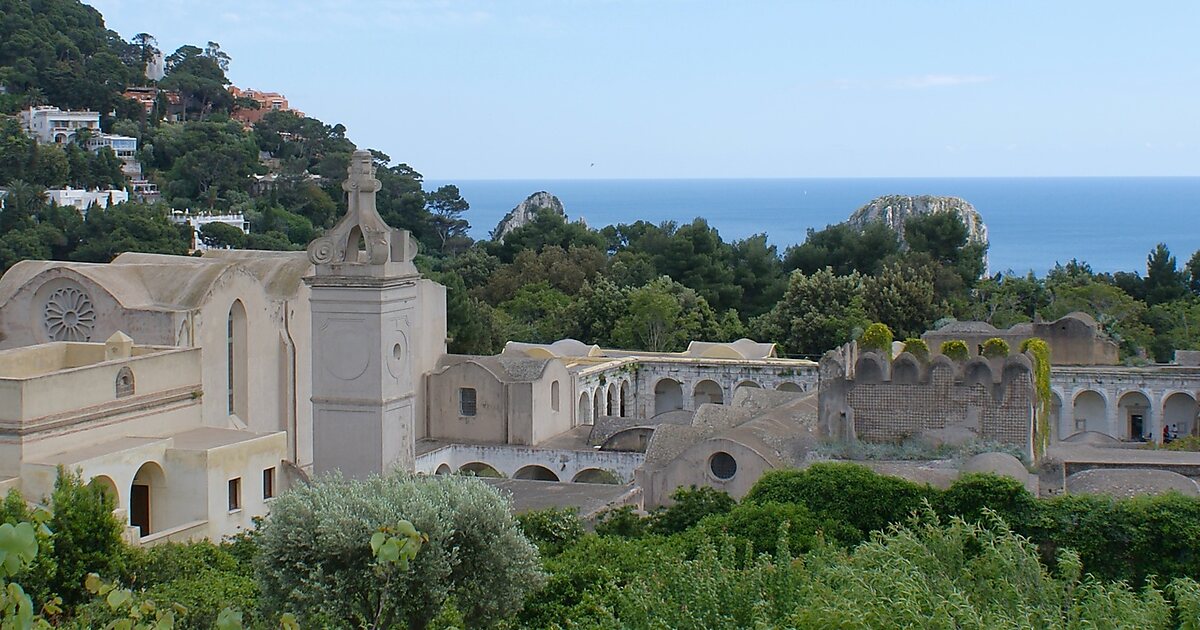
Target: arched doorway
(1090,412)
(668,396)
(625,399)
(598,404)
(596,475)
(1179,414)
(480,469)
(148,487)
(1133,417)
(534,472)
(707,391)
(611,402)
(583,415)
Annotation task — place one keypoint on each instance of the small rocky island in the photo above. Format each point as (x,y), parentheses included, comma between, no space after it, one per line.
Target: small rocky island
(894,210)
(526,212)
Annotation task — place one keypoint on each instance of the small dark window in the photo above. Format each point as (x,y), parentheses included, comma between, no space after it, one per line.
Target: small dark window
(722,465)
(466,401)
(269,483)
(124,382)
(235,494)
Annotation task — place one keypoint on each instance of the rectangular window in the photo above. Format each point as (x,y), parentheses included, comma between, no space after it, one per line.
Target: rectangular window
(235,494)
(466,401)
(269,483)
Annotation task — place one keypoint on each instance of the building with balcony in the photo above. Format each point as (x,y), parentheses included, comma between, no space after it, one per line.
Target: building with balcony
(51,125)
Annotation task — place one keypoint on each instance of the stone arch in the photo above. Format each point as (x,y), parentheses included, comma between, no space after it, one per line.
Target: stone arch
(978,372)
(237,364)
(906,370)
(535,472)
(611,404)
(1134,415)
(147,492)
(480,469)
(868,369)
(625,402)
(596,475)
(444,469)
(942,369)
(105,483)
(1179,413)
(583,414)
(707,391)
(747,383)
(1090,410)
(598,404)
(668,396)
(631,440)
(354,244)
(788,386)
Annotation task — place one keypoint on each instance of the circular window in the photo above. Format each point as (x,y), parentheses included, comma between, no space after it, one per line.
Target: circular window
(722,465)
(69,316)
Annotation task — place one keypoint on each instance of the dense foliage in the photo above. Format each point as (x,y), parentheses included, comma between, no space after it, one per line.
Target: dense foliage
(829,542)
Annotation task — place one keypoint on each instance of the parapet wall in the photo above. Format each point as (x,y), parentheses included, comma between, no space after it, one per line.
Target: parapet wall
(877,400)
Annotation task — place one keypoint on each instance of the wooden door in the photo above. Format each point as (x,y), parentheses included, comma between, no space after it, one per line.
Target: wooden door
(139,508)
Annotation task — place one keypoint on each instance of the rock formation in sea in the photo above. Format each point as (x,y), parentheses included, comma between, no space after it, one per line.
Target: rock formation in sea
(526,212)
(894,210)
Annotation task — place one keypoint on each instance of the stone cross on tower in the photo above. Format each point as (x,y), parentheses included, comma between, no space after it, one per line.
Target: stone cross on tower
(338,251)
(370,313)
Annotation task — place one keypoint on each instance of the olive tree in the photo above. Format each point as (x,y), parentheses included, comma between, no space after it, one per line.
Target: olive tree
(316,559)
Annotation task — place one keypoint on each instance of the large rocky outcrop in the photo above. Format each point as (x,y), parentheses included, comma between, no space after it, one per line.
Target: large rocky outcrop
(894,210)
(526,212)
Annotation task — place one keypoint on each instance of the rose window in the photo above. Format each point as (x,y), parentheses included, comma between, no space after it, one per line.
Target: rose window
(69,315)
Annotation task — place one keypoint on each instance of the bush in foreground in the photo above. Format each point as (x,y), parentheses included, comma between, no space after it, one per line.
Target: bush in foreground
(315,559)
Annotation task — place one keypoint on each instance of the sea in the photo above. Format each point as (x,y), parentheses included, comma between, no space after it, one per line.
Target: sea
(1111,223)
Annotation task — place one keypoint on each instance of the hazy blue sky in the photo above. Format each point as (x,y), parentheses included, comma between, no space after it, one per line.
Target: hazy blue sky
(680,88)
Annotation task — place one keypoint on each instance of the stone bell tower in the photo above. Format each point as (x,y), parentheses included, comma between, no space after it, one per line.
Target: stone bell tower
(377,328)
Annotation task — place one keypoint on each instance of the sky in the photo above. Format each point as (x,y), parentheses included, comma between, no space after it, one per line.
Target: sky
(581,89)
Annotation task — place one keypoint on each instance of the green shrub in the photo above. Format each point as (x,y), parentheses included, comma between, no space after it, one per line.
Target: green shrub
(762,525)
(551,529)
(995,348)
(315,558)
(970,494)
(1125,539)
(622,521)
(689,507)
(87,538)
(855,495)
(956,349)
(917,347)
(877,337)
(1189,443)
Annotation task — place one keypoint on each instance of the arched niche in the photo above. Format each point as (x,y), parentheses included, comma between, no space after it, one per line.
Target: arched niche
(534,472)
(668,396)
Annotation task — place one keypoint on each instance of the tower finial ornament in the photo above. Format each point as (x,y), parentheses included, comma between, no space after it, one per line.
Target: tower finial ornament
(361,226)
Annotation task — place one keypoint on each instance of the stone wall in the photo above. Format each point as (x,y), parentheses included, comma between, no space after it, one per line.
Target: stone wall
(880,401)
